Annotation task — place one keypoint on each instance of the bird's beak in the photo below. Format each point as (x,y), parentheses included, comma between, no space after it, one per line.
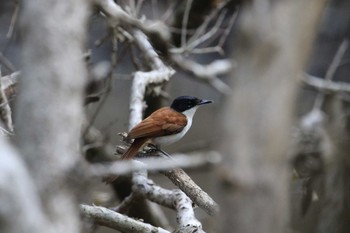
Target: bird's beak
(205,102)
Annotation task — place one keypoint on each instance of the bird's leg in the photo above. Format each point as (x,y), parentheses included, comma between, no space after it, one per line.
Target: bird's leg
(157,148)
(151,148)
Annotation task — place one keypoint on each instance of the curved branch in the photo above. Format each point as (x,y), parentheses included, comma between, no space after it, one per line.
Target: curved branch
(173,199)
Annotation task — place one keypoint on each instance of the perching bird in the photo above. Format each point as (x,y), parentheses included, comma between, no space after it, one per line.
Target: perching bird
(164,126)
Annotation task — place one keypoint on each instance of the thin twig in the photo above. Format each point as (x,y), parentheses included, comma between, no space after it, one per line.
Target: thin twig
(132,7)
(185,23)
(125,204)
(5,109)
(331,71)
(169,12)
(207,73)
(138,7)
(108,89)
(228,29)
(326,85)
(116,15)
(13,21)
(155,9)
(201,29)
(135,58)
(208,34)
(215,49)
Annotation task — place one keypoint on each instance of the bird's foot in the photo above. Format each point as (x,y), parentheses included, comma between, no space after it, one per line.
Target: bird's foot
(152,148)
(156,148)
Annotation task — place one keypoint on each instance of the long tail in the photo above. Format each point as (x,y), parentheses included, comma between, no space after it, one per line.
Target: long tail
(129,154)
(134,148)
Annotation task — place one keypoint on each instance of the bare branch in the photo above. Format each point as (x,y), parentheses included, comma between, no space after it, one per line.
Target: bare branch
(160,72)
(14,19)
(185,22)
(331,70)
(116,15)
(207,73)
(228,29)
(208,35)
(159,75)
(9,80)
(326,85)
(201,29)
(173,199)
(185,214)
(155,163)
(109,218)
(157,214)
(188,186)
(125,204)
(5,109)
(337,59)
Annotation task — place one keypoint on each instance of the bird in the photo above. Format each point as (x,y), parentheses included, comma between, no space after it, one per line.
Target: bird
(165,125)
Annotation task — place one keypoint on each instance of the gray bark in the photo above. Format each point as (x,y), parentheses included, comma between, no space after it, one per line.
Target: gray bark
(272,49)
(20,208)
(49,110)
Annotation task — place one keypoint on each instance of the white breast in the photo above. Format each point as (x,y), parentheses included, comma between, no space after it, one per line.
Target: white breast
(166,140)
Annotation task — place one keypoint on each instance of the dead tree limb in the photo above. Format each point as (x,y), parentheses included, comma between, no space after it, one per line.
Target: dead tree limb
(112,219)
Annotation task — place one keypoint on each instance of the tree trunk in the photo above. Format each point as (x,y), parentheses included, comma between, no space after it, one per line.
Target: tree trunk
(49,108)
(273,46)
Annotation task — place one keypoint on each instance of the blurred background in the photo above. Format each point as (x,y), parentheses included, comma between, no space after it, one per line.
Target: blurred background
(108,108)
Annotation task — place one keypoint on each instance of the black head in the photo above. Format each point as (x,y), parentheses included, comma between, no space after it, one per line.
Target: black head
(184,103)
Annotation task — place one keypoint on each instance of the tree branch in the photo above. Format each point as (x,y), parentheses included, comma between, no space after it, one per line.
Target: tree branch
(326,85)
(160,74)
(5,109)
(120,222)
(188,186)
(155,163)
(207,73)
(173,199)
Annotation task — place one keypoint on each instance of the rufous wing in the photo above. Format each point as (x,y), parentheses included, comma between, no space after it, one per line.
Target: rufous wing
(163,122)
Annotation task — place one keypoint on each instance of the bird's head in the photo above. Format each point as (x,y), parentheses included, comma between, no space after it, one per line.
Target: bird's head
(184,103)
